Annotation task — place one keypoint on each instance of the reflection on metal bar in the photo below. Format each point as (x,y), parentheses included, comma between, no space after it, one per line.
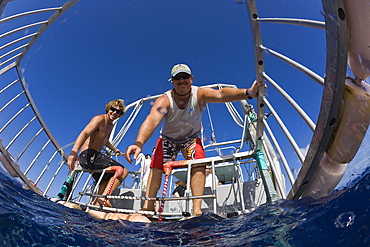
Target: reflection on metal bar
(293,21)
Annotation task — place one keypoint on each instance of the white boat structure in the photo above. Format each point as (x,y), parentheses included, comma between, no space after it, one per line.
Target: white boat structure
(255,171)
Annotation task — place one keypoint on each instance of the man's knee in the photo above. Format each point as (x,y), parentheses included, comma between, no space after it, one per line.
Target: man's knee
(199,169)
(125,173)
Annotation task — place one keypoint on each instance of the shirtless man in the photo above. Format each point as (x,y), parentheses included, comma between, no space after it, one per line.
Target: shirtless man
(181,109)
(92,140)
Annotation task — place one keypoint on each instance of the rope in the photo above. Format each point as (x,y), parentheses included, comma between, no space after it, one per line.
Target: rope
(109,191)
(122,132)
(143,198)
(233,112)
(118,173)
(122,197)
(213,135)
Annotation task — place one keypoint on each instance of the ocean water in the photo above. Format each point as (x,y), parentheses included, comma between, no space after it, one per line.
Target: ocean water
(341,219)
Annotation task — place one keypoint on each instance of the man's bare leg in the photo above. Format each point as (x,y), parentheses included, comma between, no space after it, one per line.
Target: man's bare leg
(198,180)
(154,183)
(104,187)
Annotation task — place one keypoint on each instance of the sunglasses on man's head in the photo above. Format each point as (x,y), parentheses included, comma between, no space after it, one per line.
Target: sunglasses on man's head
(183,76)
(118,111)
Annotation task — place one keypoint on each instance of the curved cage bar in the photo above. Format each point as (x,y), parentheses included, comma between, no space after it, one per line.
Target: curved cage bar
(34,139)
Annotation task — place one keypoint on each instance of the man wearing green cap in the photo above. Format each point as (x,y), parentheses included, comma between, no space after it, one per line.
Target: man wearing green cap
(181,111)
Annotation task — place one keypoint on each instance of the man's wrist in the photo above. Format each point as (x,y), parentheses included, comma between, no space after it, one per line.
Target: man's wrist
(248,95)
(139,144)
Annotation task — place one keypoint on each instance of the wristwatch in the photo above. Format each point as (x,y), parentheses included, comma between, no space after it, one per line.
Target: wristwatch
(248,96)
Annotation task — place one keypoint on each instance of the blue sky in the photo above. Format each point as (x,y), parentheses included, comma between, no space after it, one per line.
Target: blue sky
(103,50)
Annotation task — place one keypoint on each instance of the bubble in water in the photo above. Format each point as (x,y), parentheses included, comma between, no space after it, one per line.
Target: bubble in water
(162,110)
(345,220)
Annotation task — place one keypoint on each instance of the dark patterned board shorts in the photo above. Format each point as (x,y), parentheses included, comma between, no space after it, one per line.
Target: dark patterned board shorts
(94,160)
(167,151)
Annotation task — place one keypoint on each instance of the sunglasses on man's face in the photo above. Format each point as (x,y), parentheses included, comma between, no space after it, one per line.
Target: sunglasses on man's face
(183,76)
(118,111)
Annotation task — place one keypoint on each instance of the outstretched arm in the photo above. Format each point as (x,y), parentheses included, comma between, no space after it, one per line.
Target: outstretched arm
(209,95)
(89,129)
(152,121)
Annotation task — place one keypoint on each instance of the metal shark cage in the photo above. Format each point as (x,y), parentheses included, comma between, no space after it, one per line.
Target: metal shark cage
(29,150)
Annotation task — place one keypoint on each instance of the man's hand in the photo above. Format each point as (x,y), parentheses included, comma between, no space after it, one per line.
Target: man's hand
(134,149)
(253,90)
(71,160)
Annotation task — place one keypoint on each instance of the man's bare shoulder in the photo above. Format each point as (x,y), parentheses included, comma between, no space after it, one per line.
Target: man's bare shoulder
(161,104)
(162,100)
(98,119)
